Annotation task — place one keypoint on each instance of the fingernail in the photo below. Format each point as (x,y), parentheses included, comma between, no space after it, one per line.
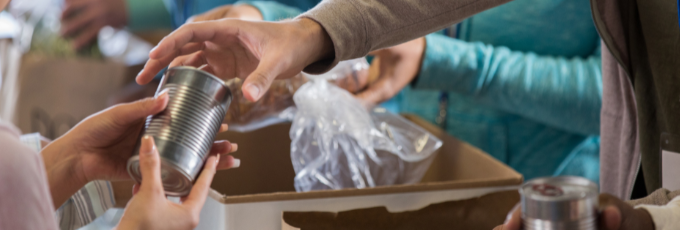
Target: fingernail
(253,90)
(162,94)
(217,160)
(237,163)
(147,145)
(234,147)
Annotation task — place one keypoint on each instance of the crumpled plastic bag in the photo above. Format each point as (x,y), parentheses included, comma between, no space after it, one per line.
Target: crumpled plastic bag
(277,105)
(337,143)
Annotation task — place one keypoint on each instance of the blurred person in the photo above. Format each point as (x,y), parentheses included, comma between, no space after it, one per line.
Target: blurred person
(325,35)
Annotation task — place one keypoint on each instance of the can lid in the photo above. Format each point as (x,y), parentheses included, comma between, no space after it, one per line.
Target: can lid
(558,188)
(559,198)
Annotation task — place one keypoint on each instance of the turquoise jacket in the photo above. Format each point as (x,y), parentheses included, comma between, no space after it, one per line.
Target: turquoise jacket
(523,82)
(169,14)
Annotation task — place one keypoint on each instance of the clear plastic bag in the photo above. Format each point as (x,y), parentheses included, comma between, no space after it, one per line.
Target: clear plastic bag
(337,143)
(277,104)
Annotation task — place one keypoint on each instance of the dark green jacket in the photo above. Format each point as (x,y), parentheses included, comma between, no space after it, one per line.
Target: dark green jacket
(641,88)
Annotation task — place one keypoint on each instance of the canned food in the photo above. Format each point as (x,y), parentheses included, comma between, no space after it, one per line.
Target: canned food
(185,130)
(557,203)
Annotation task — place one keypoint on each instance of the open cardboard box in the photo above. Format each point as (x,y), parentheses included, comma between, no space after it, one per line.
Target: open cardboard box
(256,195)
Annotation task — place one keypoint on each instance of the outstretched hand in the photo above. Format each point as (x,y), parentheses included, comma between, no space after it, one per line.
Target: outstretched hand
(258,52)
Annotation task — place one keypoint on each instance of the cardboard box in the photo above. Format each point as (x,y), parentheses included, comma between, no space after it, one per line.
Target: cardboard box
(50,95)
(257,194)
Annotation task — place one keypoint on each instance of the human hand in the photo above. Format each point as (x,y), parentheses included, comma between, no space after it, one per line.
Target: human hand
(258,52)
(150,209)
(396,67)
(99,147)
(615,215)
(82,19)
(240,11)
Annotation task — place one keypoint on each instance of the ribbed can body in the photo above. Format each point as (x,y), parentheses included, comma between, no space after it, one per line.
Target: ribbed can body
(185,130)
(559,203)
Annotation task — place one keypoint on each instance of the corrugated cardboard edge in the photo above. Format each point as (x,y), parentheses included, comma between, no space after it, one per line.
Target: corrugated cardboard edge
(394,189)
(286,226)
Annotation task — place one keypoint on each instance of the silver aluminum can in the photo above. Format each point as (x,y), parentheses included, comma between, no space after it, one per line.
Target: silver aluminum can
(185,130)
(559,203)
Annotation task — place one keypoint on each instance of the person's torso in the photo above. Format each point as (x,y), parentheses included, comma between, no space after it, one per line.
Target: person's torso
(650,34)
(557,28)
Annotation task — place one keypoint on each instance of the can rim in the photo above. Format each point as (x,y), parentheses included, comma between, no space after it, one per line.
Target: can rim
(201,71)
(583,182)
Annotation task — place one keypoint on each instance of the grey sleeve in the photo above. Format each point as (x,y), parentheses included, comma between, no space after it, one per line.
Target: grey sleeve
(360,26)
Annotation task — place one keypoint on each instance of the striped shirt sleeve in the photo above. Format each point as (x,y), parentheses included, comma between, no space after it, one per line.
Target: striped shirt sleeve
(86,205)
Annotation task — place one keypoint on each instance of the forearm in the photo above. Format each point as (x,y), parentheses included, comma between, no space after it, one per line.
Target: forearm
(561,92)
(62,177)
(363,26)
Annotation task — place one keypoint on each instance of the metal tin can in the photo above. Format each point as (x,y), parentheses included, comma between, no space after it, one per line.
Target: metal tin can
(185,130)
(557,203)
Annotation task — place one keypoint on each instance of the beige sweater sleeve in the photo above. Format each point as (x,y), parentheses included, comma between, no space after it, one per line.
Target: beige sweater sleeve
(360,26)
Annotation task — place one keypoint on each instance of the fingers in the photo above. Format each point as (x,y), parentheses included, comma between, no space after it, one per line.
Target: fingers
(258,82)
(132,112)
(228,162)
(619,215)
(611,218)
(173,45)
(80,20)
(150,166)
(380,91)
(223,128)
(87,35)
(223,148)
(196,198)
(514,219)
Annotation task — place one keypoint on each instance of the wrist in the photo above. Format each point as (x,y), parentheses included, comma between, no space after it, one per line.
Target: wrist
(315,35)
(61,166)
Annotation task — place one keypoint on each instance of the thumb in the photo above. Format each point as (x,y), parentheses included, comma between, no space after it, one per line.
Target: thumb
(131,112)
(150,166)
(258,82)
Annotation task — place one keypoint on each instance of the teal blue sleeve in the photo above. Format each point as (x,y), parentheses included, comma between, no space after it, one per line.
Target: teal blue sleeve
(273,11)
(561,92)
(148,15)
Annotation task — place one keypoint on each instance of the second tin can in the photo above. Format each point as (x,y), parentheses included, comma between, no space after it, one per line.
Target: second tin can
(557,203)
(185,130)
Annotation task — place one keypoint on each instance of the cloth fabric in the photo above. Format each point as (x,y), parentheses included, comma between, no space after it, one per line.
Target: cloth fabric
(86,205)
(362,26)
(26,202)
(83,207)
(664,208)
(642,38)
(148,15)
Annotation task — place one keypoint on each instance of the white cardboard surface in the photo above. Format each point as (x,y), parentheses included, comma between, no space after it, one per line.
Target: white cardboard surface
(267,215)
